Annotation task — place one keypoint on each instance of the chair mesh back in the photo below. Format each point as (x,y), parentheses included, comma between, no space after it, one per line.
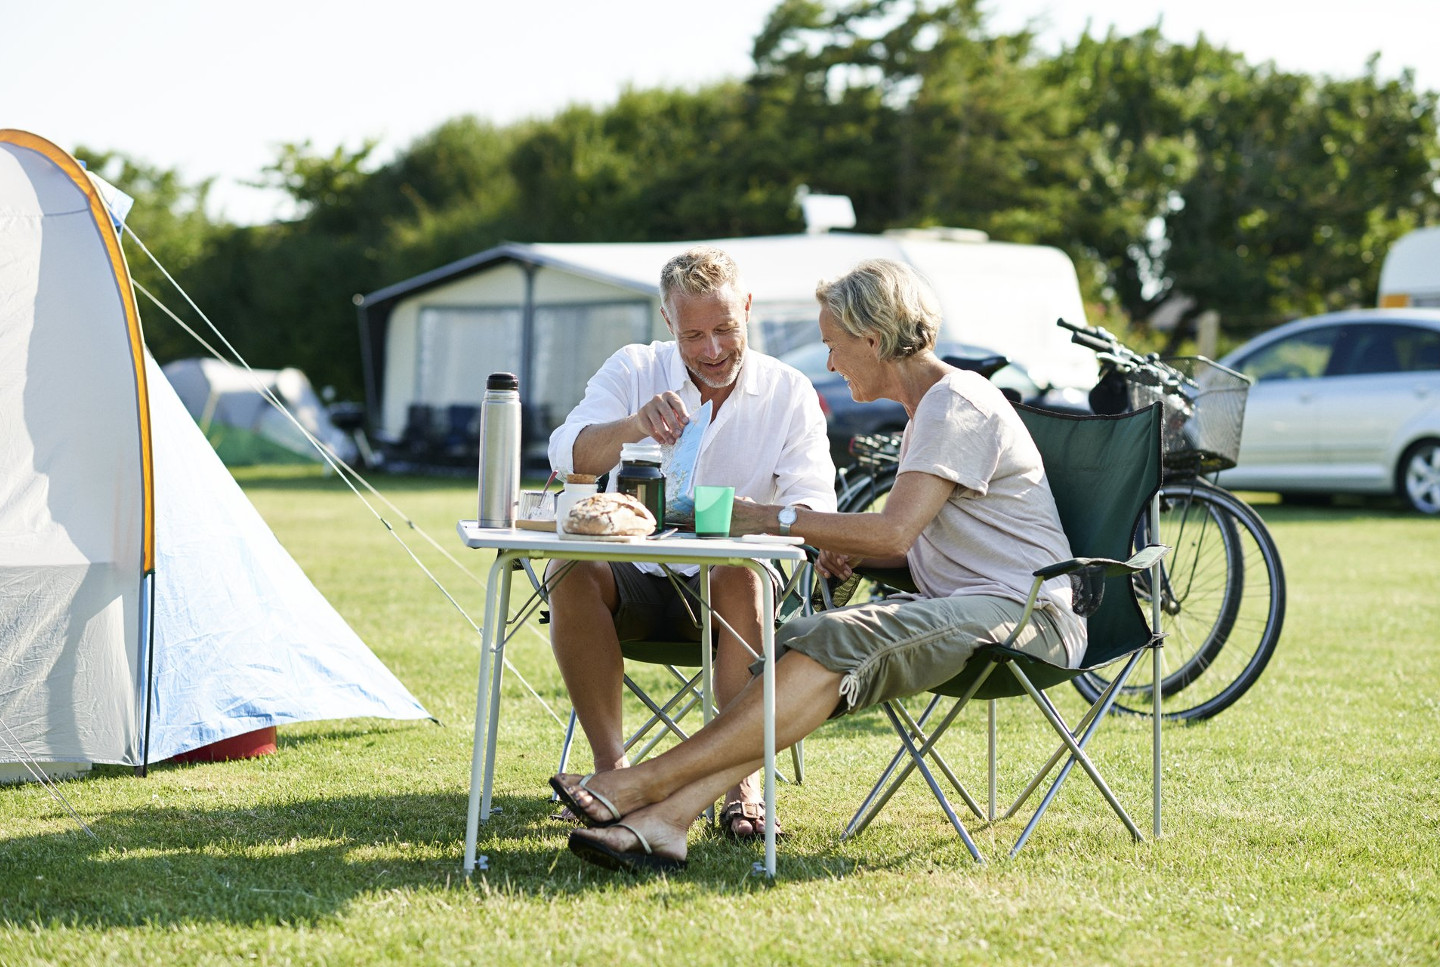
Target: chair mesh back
(1103,471)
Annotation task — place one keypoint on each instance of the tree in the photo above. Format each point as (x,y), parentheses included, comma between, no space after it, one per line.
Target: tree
(1254,192)
(1301,188)
(168,217)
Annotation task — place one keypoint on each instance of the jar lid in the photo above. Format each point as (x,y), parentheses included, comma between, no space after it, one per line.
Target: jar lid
(643,451)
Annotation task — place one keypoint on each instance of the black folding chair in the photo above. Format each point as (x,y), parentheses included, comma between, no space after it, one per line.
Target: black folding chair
(1104,472)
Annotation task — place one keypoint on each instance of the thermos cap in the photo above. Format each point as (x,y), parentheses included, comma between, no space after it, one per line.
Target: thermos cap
(502,381)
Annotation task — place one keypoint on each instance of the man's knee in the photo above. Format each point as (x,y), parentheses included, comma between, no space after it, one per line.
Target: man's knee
(736,582)
(576,584)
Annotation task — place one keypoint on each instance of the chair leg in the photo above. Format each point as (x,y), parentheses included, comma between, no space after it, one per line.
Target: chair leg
(1077,754)
(909,730)
(867,809)
(565,749)
(990,814)
(662,714)
(872,806)
(1050,764)
(918,758)
(928,748)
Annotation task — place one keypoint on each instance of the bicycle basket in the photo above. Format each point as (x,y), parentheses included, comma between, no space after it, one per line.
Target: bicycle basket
(1203,417)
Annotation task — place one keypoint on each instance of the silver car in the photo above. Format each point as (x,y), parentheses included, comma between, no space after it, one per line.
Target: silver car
(1347,402)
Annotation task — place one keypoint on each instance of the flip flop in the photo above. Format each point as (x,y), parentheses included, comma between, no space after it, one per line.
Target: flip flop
(581,815)
(751,812)
(592,850)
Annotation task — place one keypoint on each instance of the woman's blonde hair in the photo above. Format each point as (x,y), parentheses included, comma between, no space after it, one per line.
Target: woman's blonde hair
(887,299)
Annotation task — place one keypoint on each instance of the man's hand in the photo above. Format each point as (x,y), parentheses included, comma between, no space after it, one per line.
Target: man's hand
(663,418)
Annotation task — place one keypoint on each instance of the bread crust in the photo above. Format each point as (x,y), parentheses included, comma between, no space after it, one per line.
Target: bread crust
(610,515)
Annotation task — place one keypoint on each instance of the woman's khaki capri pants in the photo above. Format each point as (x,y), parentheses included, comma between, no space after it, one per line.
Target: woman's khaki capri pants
(894,648)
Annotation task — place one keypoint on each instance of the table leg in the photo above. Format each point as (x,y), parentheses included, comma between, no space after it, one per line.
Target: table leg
(497,673)
(707,647)
(767,642)
(491,633)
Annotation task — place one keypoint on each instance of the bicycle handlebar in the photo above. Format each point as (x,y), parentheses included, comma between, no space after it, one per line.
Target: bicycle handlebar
(1113,351)
(1091,337)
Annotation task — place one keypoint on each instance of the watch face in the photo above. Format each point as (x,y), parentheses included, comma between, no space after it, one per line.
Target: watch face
(787,516)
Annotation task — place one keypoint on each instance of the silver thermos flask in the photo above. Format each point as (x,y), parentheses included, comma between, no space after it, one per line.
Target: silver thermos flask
(499,450)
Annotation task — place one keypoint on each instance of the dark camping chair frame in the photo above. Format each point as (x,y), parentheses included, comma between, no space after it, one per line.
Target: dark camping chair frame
(1105,472)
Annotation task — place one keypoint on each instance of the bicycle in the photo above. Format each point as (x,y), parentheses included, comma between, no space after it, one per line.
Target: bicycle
(1222,587)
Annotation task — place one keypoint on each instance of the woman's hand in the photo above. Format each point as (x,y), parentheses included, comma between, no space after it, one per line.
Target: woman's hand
(838,566)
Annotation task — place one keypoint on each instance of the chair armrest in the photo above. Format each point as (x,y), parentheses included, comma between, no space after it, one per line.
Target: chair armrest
(1143,560)
(1088,576)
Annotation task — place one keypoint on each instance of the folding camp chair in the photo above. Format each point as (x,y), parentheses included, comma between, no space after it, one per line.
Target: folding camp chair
(1104,472)
(689,672)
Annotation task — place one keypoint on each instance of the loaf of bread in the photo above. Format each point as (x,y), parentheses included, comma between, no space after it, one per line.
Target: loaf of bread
(610,515)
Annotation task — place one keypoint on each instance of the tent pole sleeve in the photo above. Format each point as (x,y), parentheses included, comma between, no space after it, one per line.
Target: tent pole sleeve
(147,634)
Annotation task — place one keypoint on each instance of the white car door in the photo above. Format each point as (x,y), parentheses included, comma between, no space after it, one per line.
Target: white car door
(1282,412)
(1377,391)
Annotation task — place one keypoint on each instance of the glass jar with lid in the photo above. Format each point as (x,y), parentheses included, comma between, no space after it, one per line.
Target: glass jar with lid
(640,477)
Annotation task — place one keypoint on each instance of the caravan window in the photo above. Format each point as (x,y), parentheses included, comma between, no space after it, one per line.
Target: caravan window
(459,345)
(570,344)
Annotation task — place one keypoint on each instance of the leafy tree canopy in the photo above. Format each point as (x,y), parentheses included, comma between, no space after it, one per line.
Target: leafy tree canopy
(1162,168)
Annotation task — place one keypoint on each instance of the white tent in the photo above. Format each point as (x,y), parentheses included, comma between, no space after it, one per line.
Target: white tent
(230,405)
(145,608)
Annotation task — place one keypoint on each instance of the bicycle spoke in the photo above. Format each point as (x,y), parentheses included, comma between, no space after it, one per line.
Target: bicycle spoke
(1222,597)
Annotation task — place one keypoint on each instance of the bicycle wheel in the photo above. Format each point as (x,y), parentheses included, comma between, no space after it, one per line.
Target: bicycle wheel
(865,492)
(1222,603)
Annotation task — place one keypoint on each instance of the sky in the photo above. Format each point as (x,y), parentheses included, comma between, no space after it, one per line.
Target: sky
(213,87)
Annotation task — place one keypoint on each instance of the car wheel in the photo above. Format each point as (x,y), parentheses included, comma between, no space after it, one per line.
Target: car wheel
(1418,477)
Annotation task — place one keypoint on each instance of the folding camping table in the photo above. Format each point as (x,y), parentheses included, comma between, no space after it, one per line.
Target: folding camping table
(514,544)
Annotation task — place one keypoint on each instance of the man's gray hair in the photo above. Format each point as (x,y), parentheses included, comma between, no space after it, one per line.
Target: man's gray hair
(697,271)
(886,299)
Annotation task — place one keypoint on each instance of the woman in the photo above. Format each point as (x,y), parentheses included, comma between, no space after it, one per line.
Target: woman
(970,514)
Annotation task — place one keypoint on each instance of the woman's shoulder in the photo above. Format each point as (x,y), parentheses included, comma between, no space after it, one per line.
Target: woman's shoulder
(963,389)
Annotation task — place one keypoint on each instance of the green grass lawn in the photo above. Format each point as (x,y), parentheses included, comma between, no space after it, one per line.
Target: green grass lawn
(1301,826)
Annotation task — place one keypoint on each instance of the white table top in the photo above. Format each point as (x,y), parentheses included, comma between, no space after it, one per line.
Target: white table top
(691,550)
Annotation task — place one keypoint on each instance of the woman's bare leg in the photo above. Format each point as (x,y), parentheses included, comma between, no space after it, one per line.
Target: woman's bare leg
(724,751)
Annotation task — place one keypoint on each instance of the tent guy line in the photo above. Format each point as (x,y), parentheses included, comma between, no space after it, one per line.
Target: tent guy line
(14,746)
(344,470)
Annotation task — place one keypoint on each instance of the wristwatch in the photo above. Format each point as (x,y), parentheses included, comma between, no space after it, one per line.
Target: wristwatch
(787,517)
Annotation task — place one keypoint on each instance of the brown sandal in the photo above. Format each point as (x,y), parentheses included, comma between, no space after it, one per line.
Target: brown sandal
(751,812)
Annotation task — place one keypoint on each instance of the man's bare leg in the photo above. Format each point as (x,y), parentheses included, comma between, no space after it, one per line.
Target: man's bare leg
(587,649)
(735,593)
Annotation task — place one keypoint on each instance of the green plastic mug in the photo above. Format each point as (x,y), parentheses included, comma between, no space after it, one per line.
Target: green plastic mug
(712,511)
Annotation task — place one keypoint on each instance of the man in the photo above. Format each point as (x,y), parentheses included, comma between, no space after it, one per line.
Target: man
(766,439)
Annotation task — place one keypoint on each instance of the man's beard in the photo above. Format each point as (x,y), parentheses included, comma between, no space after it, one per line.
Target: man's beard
(730,378)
